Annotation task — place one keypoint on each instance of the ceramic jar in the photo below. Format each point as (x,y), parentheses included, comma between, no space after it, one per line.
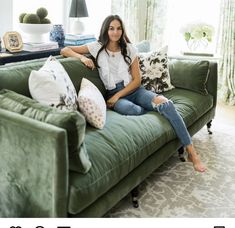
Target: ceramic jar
(57,34)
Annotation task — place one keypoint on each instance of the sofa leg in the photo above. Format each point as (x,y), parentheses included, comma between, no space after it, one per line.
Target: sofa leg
(181,154)
(208,127)
(134,195)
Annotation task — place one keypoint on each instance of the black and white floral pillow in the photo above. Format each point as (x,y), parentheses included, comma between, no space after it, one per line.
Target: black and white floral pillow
(155,72)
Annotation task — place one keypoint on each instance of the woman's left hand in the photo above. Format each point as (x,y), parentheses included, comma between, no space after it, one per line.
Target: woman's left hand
(111,101)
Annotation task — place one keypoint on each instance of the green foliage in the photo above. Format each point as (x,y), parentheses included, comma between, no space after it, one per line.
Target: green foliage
(21,17)
(187,36)
(31,18)
(38,18)
(45,21)
(42,12)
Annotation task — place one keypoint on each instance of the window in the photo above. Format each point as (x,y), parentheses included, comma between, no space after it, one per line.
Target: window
(182,12)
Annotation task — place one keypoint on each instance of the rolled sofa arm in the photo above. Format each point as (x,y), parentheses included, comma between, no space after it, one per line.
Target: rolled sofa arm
(34,167)
(212,81)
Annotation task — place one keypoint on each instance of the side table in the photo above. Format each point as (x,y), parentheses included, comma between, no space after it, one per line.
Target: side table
(26,55)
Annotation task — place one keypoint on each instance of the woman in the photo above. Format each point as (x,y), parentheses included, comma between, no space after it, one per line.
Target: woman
(118,67)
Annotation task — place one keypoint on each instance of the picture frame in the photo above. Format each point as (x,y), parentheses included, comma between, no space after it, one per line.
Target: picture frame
(13,41)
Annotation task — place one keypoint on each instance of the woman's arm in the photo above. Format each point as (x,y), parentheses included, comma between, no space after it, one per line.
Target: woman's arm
(78,52)
(134,84)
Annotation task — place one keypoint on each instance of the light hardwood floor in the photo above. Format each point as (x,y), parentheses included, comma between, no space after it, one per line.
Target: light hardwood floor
(225,114)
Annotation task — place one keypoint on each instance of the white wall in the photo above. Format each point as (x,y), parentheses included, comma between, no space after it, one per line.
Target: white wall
(6,20)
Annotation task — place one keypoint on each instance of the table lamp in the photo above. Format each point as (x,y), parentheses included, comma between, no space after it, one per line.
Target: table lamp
(78,9)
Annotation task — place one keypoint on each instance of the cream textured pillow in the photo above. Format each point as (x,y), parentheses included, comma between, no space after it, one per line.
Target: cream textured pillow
(155,72)
(51,85)
(92,104)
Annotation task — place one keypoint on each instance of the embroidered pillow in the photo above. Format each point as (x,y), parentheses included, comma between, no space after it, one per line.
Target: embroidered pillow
(51,85)
(92,104)
(155,72)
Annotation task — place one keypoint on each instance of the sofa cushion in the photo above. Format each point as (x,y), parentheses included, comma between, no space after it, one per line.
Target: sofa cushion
(51,85)
(15,76)
(125,142)
(155,72)
(191,75)
(143,46)
(72,121)
(92,104)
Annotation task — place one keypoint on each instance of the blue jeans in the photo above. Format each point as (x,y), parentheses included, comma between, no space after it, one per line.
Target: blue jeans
(140,101)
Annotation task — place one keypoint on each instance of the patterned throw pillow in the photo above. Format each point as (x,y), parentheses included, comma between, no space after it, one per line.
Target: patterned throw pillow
(92,104)
(155,72)
(51,85)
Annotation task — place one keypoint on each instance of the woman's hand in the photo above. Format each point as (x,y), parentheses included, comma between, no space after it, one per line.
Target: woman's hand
(111,101)
(88,62)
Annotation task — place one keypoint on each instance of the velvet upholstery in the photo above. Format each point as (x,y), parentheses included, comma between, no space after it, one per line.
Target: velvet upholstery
(72,121)
(122,154)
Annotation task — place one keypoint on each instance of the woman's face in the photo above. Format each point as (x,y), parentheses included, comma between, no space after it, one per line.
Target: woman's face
(115,31)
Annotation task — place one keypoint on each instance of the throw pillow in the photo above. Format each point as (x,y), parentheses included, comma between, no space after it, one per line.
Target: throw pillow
(155,72)
(92,104)
(51,85)
(72,121)
(190,74)
(143,46)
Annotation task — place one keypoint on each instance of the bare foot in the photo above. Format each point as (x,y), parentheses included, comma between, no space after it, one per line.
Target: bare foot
(194,158)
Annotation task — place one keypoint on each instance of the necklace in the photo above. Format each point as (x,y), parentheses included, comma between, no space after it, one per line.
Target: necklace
(113,53)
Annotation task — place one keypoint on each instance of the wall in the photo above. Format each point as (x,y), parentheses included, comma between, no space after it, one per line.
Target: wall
(6,20)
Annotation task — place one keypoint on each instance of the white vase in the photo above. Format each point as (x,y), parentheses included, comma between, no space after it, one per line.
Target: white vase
(198,45)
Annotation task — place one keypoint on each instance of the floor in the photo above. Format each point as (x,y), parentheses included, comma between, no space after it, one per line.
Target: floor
(175,190)
(225,113)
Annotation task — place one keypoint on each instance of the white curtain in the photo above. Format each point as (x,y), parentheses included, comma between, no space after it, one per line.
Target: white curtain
(226,46)
(144,19)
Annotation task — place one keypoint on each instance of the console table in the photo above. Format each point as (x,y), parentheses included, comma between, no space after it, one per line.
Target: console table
(26,55)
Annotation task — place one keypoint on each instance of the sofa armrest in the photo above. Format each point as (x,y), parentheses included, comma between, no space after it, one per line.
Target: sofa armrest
(34,167)
(212,81)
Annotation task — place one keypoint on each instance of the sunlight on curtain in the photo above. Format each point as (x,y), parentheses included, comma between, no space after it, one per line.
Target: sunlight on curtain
(128,10)
(98,11)
(156,20)
(226,46)
(143,19)
(160,21)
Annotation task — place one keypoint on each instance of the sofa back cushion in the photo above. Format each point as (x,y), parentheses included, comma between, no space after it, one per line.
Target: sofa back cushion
(72,121)
(15,76)
(190,74)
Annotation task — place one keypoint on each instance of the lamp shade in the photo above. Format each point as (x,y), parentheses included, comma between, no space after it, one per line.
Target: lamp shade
(78,9)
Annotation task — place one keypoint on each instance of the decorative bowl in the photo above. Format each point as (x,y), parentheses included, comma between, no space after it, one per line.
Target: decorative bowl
(35,32)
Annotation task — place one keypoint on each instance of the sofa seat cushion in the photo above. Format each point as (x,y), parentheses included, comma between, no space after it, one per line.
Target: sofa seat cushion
(124,143)
(189,104)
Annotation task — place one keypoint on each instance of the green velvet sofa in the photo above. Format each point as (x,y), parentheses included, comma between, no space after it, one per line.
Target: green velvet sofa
(35,177)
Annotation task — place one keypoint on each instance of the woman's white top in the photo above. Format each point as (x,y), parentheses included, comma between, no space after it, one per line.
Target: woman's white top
(112,66)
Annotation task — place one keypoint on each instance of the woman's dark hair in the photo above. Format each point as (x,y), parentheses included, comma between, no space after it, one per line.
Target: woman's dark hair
(104,38)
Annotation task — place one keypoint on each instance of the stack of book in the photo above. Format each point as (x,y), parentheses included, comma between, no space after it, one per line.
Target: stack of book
(40,46)
(78,39)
